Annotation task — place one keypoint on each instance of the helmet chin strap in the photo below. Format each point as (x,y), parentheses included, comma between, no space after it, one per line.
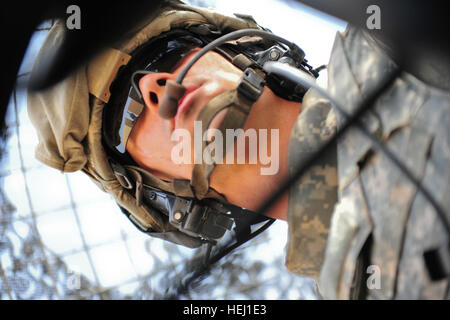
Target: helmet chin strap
(238,103)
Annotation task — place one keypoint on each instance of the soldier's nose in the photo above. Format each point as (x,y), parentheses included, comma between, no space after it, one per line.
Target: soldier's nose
(153,86)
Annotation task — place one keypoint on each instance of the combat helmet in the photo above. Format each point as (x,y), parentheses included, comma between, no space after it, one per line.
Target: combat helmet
(83,122)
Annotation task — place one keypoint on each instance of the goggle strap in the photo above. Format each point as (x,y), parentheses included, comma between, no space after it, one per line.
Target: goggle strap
(132,111)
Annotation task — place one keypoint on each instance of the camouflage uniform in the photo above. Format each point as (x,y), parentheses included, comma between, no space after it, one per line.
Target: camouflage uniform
(354,215)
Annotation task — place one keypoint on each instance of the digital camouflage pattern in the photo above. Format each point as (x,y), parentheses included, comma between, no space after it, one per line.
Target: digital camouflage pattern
(381,225)
(312,199)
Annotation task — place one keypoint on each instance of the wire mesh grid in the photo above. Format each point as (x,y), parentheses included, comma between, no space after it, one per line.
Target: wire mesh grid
(62,238)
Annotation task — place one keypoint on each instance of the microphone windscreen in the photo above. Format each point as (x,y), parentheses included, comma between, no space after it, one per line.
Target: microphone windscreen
(169,104)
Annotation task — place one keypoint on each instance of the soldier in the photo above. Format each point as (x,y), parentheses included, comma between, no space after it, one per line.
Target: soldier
(115,120)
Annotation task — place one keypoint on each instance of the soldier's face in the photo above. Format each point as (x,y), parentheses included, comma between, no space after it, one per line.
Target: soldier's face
(211,75)
(153,139)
